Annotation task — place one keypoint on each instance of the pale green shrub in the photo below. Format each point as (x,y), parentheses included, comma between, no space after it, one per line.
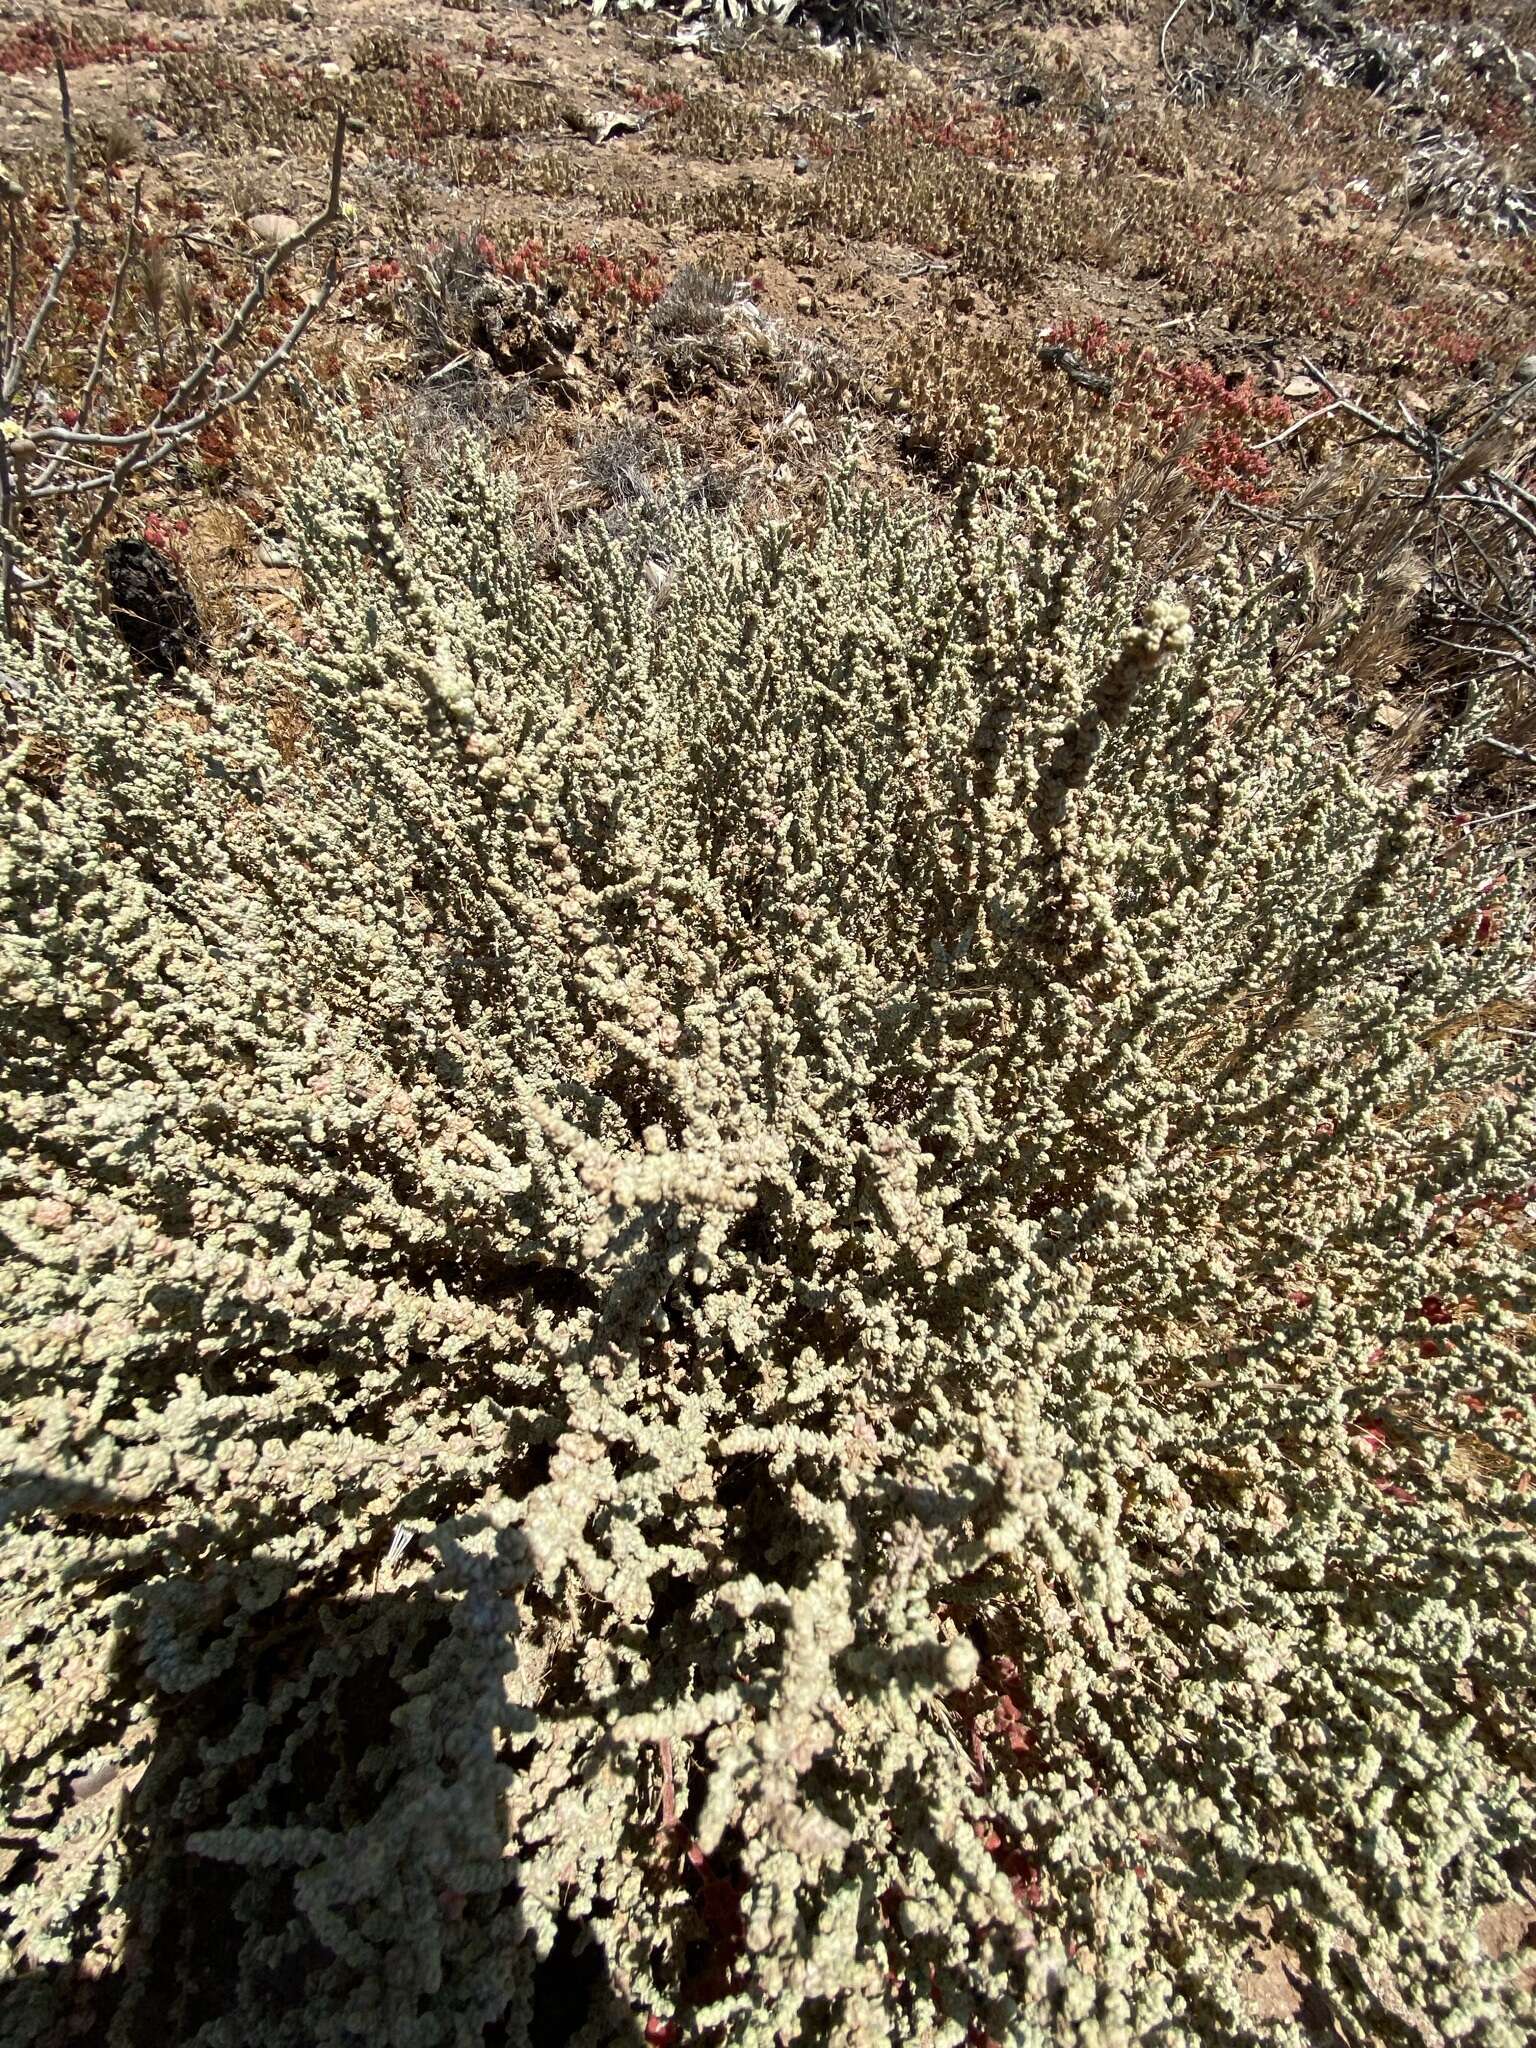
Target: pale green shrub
(891,1168)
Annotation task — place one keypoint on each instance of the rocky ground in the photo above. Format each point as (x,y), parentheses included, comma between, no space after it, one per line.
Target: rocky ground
(611,242)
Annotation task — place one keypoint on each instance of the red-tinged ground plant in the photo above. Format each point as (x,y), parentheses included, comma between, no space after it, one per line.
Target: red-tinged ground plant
(778,1305)
(432,112)
(1078,394)
(1419,520)
(1217,426)
(83,39)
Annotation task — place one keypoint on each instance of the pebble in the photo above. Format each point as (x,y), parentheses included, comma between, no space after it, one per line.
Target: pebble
(268,229)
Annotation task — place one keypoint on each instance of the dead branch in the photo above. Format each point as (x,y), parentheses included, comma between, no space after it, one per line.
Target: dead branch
(1162,41)
(1458,497)
(16,364)
(36,453)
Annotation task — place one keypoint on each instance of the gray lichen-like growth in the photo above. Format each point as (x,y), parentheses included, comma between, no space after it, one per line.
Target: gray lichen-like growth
(893,1169)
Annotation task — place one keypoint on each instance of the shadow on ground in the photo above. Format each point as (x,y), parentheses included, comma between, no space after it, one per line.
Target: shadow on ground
(313,1851)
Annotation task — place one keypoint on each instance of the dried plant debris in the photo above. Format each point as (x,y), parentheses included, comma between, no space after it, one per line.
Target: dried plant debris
(708,327)
(857,20)
(151,606)
(1453,177)
(474,321)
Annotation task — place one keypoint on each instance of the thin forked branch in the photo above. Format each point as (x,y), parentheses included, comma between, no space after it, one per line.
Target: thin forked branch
(45,462)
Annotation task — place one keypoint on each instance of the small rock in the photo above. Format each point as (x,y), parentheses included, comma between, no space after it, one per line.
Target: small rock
(1302,387)
(1525,370)
(330,71)
(805,303)
(802,165)
(298,11)
(267,230)
(601,126)
(1389,717)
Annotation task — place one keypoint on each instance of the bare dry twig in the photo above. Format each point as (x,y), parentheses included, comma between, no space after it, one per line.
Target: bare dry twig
(48,464)
(1466,504)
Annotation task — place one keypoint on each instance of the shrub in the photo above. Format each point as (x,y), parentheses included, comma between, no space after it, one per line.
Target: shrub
(707,326)
(776,1308)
